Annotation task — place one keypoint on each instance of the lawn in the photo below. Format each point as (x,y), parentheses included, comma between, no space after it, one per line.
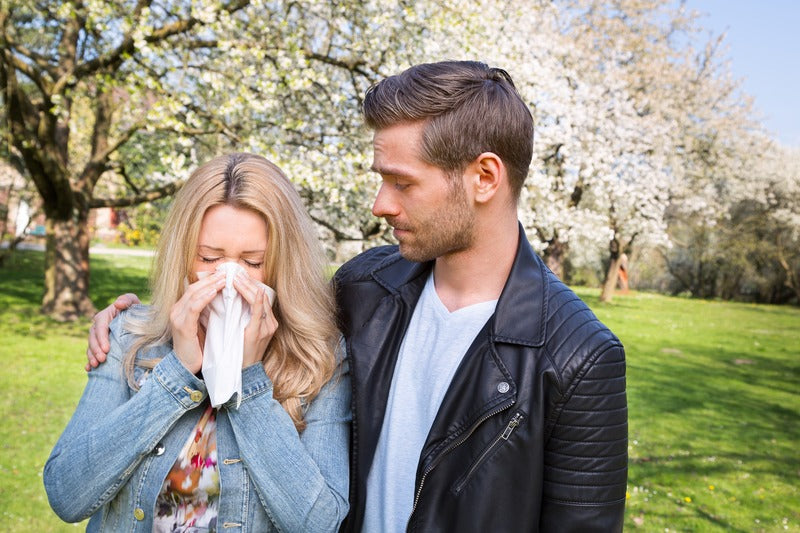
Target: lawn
(43,378)
(714,423)
(713,391)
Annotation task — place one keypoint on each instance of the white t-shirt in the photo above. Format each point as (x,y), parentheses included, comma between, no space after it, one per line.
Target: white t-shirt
(432,349)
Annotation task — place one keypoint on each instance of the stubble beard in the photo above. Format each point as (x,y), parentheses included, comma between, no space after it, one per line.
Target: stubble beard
(446,231)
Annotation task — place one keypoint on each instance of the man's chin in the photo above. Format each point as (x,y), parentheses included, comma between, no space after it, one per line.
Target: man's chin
(414,254)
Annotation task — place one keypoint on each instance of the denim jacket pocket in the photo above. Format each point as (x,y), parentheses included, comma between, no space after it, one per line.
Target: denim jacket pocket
(495,444)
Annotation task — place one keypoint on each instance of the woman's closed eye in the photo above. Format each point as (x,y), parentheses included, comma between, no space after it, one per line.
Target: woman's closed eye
(249,262)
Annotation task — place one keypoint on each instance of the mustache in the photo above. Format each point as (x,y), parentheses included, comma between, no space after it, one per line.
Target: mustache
(396,223)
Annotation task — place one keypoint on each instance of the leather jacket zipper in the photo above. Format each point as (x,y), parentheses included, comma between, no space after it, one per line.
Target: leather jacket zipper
(448,450)
(507,431)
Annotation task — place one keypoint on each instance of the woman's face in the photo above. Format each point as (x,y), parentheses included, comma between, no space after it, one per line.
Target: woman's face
(232,234)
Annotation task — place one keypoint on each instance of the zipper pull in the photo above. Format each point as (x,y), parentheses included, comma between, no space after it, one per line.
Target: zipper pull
(511,425)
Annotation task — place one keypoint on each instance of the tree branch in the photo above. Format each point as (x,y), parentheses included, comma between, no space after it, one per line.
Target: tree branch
(337,233)
(122,171)
(353,65)
(104,155)
(146,196)
(27,70)
(128,46)
(38,59)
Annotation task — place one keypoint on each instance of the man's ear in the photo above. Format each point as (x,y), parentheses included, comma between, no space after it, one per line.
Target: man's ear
(489,174)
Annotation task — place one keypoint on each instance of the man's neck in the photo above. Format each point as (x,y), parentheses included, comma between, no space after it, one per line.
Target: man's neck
(479,273)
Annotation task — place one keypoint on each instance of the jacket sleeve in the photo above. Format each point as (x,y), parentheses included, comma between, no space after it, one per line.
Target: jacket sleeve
(301,480)
(113,429)
(586,454)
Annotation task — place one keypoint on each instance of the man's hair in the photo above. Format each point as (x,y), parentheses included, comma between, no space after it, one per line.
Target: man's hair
(469,108)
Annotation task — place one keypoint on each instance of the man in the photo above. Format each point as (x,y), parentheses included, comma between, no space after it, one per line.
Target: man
(486,395)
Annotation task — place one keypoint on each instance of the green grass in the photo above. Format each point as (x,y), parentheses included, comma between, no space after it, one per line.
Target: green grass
(42,378)
(714,402)
(713,392)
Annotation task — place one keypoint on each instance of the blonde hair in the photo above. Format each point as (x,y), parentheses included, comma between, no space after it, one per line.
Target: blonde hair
(299,359)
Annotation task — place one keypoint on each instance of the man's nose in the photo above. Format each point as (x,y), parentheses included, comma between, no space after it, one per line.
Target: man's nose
(384,205)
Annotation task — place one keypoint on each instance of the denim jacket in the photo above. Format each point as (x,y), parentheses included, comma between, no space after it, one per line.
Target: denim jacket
(120,444)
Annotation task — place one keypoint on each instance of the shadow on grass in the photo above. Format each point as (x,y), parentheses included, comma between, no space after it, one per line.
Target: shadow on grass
(22,278)
(704,378)
(116,276)
(700,412)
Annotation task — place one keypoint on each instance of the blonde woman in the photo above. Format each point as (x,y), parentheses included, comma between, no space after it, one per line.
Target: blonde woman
(146,450)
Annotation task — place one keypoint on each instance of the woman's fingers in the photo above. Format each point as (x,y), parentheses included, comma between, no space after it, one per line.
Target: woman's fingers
(262,325)
(185,316)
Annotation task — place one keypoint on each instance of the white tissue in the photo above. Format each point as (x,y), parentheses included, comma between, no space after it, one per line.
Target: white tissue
(225,319)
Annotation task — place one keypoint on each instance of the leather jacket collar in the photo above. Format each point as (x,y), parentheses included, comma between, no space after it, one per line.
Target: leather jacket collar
(524,294)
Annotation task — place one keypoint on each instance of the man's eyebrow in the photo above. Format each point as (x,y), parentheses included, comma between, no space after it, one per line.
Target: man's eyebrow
(388,171)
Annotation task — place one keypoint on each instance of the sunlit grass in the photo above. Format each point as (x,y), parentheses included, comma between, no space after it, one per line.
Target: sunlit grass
(714,399)
(42,379)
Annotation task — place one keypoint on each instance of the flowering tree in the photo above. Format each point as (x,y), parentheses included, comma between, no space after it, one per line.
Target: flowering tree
(591,72)
(784,213)
(136,93)
(749,248)
(83,83)
(109,103)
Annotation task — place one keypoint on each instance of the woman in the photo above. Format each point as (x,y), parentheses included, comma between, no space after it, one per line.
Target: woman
(145,450)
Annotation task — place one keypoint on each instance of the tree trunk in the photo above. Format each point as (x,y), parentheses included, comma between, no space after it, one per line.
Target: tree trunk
(791,274)
(66,295)
(622,272)
(554,256)
(610,282)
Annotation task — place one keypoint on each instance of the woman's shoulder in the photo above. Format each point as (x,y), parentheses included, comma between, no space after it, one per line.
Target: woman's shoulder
(121,324)
(340,353)
(342,369)
(130,325)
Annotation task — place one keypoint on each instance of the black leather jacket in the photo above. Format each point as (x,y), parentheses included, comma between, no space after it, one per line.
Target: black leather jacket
(532,432)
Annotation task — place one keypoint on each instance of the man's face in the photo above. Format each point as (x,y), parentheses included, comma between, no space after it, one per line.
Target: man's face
(431,215)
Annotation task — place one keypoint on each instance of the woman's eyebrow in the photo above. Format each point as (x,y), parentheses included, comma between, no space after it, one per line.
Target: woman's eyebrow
(210,248)
(222,250)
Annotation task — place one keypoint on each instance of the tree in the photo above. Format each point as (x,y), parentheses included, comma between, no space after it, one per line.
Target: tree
(785,215)
(137,93)
(60,56)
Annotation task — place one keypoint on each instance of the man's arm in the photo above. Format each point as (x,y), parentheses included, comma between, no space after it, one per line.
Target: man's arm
(586,457)
(98,333)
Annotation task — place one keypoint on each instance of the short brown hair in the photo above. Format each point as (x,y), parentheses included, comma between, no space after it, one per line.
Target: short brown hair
(470,108)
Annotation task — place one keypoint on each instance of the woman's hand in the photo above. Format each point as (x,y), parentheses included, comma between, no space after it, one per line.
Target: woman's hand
(262,326)
(185,320)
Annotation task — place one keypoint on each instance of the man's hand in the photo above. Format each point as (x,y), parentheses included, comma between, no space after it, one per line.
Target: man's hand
(98,333)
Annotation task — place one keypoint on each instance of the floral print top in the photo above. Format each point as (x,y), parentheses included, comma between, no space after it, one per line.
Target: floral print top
(189,498)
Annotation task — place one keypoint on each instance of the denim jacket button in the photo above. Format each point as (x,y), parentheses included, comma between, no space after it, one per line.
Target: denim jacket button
(160,448)
(138,513)
(196,396)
